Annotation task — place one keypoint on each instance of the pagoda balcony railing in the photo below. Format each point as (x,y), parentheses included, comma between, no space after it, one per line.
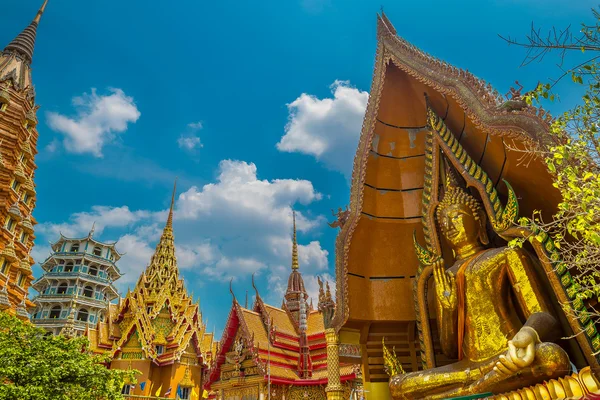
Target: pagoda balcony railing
(68,296)
(74,274)
(103,260)
(60,321)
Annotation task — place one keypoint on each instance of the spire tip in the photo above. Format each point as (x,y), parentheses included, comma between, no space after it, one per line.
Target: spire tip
(170,218)
(295,265)
(38,17)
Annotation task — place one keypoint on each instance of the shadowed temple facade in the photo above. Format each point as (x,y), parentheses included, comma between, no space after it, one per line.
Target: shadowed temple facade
(422,259)
(281,351)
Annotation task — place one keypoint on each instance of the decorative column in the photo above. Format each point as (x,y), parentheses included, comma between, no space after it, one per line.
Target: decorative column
(334,389)
(261,391)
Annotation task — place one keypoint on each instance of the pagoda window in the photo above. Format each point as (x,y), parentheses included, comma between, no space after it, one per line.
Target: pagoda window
(3,107)
(4,265)
(24,237)
(62,288)
(55,312)
(74,247)
(14,185)
(69,267)
(126,389)
(26,198)
(98,251)
(93,270)
(10,223)
(82,315)
(160,349)
(88,291)
(21,280)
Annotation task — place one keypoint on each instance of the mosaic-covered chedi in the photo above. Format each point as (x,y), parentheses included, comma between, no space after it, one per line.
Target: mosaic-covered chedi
(18,143)
(422,257)
(157,329)
(283,351)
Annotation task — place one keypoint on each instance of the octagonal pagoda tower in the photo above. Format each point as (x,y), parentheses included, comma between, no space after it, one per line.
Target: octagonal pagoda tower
(18,141)
(77,286)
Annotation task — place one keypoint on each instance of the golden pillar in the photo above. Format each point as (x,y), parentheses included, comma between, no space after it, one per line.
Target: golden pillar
(334,389)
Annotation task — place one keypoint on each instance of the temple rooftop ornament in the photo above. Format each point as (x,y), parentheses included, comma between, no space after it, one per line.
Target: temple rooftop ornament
(24,43)
(22,311)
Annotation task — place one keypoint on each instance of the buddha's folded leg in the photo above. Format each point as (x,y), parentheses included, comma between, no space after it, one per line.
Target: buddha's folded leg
(550,362)
(421,384)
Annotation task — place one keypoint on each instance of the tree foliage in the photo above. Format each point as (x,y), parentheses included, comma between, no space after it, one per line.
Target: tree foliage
(572,153)
(35,365)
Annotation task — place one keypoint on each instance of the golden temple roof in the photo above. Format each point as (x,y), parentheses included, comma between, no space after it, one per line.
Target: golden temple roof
(158,311)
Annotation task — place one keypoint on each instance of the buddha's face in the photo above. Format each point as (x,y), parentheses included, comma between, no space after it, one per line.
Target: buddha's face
(459,226)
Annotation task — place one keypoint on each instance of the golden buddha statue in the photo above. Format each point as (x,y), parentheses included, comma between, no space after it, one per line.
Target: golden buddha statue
(492,314)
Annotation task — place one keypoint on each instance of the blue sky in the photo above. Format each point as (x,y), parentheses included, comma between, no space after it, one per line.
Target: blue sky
(255,106)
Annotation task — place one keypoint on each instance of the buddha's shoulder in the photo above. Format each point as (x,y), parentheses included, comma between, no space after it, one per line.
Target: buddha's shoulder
(506,252)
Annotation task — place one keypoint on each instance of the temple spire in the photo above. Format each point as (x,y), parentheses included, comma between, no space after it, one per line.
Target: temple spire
(92,230)
(38,17)
(295,265)
(170,218)
(24,43)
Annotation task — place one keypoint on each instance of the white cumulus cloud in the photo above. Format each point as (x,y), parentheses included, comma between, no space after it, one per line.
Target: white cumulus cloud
(98,120)
(327,129)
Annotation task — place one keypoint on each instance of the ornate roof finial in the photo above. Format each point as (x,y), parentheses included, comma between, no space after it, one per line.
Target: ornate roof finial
(254,286)
(92,230)
(170,218)
(246,304)
(295,265)
(231,290)
(24,43)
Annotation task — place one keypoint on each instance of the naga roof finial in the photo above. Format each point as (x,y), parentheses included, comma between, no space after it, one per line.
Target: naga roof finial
(254,286)
(231,290)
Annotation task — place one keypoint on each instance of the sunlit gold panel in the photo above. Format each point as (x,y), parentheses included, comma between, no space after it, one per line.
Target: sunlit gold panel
(379,248)
(389,204)
(400,104)
(392,173)
(384,303)
(395,142)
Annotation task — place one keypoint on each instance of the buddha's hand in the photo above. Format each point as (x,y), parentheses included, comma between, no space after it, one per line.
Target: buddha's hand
(521,352)
(445,285)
